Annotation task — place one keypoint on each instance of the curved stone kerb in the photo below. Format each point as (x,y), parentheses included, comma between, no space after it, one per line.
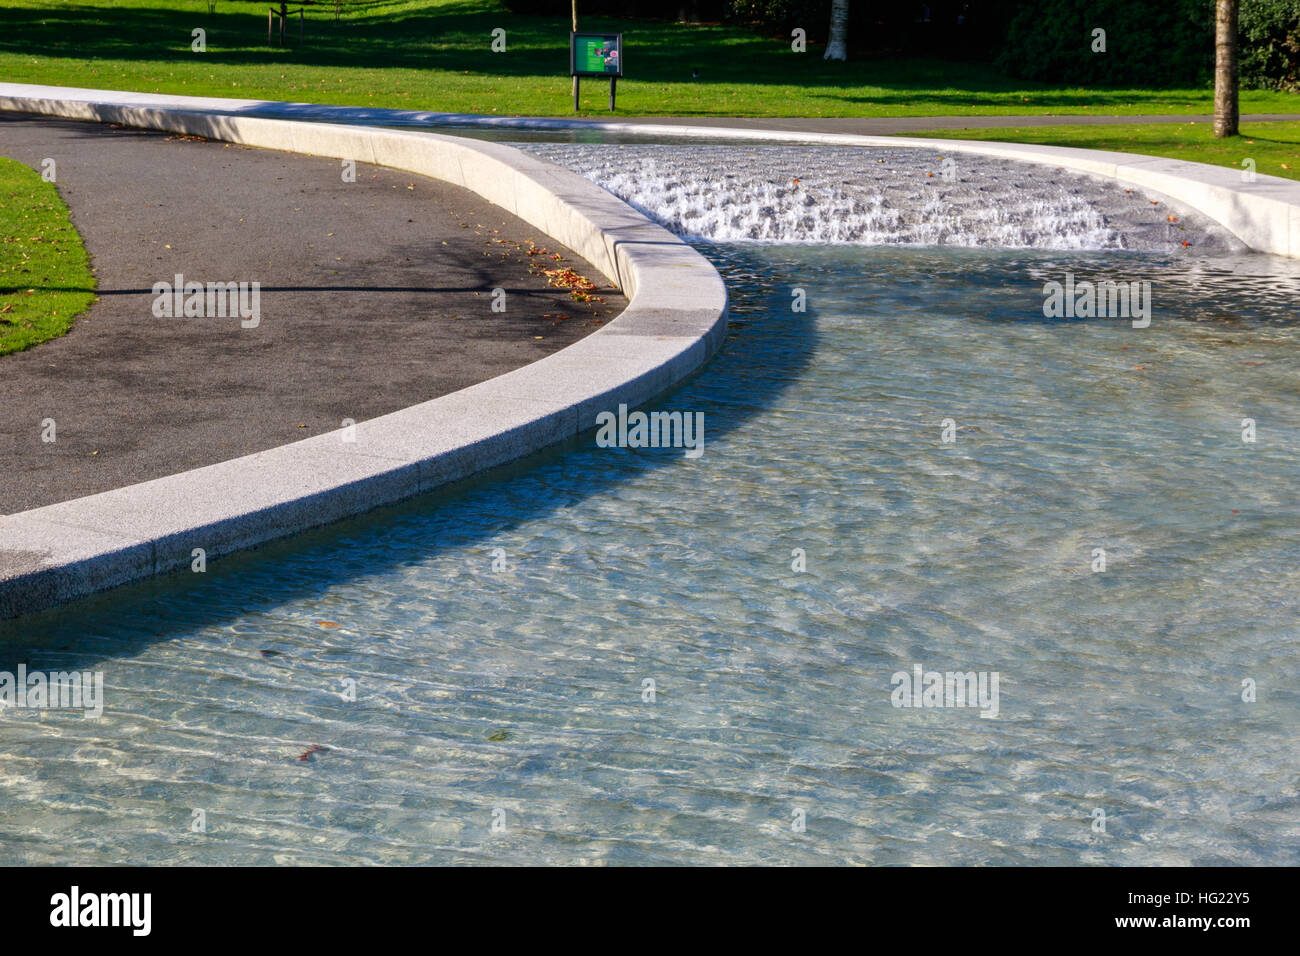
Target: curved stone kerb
(675,320)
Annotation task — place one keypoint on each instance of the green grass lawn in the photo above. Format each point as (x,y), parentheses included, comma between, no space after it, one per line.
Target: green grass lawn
(45,278)
(435,55)
(1275,147)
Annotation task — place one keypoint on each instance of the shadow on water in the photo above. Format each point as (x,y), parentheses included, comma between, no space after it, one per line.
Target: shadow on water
(766,349)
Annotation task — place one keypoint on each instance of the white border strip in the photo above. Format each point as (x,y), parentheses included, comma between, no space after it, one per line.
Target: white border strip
(675,320)
(1263,213)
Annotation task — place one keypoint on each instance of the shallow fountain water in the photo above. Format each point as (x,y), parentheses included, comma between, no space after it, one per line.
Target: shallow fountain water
(523,690)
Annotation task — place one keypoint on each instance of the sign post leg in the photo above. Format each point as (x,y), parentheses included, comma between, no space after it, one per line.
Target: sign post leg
(576,83)
(613,82)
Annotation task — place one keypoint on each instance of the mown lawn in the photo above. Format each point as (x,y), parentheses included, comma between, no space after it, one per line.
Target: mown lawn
(1275,147)
(436,55)
(45,278)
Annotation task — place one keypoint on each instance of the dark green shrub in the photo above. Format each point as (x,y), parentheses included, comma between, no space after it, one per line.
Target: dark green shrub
(1270,44)
(1148,42)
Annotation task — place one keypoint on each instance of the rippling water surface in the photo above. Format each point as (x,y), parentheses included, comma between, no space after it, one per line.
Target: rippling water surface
(521,690)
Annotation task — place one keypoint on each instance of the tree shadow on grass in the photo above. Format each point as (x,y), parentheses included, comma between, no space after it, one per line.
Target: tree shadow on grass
(1294,139)
(457,39)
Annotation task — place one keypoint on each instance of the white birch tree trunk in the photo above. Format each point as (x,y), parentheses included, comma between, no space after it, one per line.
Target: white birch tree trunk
(835,49)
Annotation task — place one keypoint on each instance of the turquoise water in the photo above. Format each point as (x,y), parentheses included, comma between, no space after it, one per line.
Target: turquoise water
(522,690)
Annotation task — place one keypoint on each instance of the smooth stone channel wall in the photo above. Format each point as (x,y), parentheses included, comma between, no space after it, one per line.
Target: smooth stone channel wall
(675,320)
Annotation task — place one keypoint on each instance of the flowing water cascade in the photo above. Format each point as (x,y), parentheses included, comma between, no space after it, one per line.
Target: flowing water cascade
(873,196)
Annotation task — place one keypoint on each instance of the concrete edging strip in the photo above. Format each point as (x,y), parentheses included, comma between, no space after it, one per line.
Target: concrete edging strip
(1264,213)
(674,321)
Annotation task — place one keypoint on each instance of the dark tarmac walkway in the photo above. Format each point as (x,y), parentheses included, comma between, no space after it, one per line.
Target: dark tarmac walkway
(375,295)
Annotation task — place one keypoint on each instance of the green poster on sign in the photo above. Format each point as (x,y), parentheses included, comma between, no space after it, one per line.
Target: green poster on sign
(596,54)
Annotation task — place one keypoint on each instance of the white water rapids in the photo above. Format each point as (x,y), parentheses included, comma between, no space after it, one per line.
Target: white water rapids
(870,196)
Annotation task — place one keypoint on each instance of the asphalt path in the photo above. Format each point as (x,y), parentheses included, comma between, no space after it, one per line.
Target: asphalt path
(373,295)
